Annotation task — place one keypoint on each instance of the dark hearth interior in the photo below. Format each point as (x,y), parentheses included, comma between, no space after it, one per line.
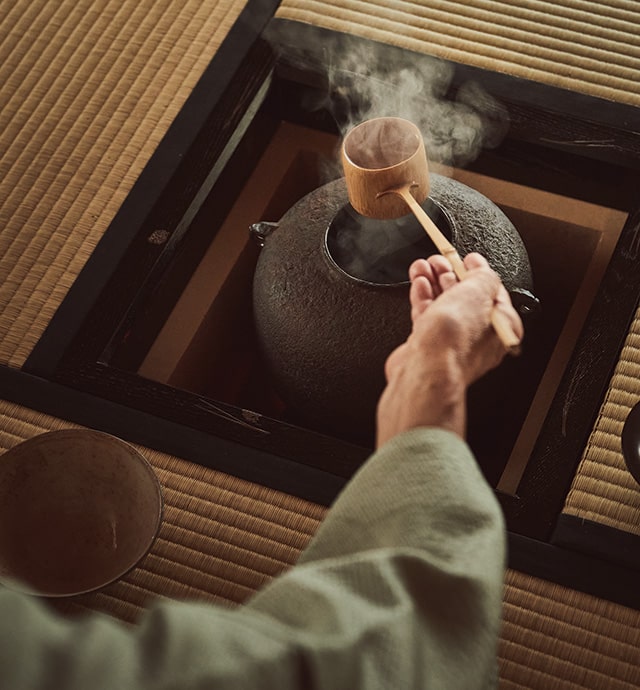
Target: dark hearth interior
(208,343)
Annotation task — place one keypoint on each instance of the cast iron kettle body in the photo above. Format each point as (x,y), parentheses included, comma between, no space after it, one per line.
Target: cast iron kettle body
(325,334)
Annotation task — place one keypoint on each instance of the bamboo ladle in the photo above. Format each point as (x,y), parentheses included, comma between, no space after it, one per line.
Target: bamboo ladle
(386,170)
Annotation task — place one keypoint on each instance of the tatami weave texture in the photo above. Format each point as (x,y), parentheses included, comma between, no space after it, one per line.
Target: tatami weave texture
(554,638)
(589,46)
(603,490)
(221,538)
(87,90)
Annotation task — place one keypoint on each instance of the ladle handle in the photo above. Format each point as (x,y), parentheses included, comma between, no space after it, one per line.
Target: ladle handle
(499,321)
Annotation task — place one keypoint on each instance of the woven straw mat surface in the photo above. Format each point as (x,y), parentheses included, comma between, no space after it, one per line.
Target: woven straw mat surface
(603,490)
(223,538)
(555,638)
(589,46)
(87,90)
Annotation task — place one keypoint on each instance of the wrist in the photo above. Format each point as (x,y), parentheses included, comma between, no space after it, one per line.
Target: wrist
(445,392)
(425,391)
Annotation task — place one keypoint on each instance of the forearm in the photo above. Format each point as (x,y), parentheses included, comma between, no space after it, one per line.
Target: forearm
(412,553)
(422,391)
(422,490)
(401,587)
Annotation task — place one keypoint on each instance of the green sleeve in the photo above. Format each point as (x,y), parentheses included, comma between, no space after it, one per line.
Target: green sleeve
(400,588)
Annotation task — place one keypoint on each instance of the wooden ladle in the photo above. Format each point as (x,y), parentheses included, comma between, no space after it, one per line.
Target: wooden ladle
(386,170)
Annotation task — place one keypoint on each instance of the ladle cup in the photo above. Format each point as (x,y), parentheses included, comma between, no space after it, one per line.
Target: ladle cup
(386,171)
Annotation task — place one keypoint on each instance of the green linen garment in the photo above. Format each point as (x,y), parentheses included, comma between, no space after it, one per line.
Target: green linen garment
(401,587)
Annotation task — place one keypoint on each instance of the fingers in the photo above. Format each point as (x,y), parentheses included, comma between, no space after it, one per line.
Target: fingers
(424,287)
(429,279)
(443,271)
(436,270)
(505,305)
(502,300)
(475,260)
(420,295)
(482,288)
(435,275)
(423,268)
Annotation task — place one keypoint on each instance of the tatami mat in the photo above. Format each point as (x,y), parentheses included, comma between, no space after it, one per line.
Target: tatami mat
(603,490)
(87,90)
(554,638)
(589,46)
(221,538)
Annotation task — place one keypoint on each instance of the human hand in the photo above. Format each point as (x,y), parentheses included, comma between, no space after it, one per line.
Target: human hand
(452,344)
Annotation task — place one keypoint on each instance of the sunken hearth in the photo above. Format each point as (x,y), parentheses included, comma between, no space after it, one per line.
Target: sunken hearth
(208,344)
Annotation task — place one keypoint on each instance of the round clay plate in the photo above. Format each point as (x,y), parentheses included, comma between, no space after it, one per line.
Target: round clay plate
(78,509)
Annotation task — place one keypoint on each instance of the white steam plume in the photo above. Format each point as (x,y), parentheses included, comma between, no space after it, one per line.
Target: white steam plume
(368,80)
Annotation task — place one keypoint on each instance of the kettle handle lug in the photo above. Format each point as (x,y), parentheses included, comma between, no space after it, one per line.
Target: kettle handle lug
(260,231)
(525,303)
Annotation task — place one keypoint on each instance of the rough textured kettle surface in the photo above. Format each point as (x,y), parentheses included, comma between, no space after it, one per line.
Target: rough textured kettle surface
(325,336)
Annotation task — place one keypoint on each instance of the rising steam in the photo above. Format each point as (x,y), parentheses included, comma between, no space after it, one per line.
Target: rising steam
(367,80)
(455,131)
